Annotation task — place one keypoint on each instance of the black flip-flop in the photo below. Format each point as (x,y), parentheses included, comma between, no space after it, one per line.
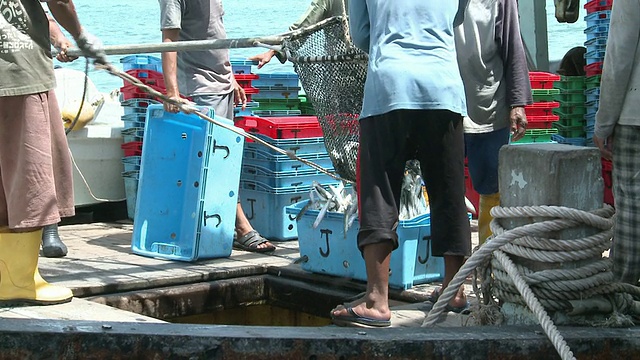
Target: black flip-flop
(355,320)
(250,242)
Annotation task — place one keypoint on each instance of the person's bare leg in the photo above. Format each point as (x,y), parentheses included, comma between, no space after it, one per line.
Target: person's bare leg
(243,226)
(451,266)
(375,303)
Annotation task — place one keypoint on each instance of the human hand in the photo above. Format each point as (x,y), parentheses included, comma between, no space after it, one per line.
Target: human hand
(62,45)
(92,47)
(518,119)
(239,95)
(605,146)
(175,96)
(263,59)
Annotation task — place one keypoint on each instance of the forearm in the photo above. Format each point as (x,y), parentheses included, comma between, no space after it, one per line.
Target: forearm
(55,34)
(514,57)
(65,14)
(170,63)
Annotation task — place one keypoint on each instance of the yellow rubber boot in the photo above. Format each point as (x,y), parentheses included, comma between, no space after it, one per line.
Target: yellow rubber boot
(20,280)
(487,202)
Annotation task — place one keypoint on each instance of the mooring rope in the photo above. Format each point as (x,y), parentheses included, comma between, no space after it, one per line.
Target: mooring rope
(555,289)
(188,108)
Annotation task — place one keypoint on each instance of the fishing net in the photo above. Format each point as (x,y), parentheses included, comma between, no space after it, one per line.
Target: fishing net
(332,72)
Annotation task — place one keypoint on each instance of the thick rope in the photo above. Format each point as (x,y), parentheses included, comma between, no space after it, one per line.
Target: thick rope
(570,279)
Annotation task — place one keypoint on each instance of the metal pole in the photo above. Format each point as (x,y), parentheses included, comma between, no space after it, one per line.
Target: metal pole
(185,46)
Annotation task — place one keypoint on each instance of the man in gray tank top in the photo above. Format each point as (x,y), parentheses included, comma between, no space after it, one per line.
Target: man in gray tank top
(206,77)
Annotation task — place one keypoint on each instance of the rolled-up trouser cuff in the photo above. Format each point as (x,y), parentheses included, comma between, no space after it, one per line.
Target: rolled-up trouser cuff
(376,236)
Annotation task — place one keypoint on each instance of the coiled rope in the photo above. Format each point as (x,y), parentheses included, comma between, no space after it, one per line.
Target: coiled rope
(553,289)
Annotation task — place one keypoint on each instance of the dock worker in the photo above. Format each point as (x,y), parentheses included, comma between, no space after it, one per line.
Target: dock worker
(35,166)
(207,78)
(413,107)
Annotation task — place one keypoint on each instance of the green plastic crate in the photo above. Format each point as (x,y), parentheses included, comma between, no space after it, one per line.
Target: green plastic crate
(570,83)
(544,94)
(537,136)
(593,81)
(278,104)
(570,131)
(571,109)
(571,96)
(570,119)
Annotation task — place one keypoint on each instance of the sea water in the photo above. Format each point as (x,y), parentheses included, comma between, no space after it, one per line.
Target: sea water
(119,22)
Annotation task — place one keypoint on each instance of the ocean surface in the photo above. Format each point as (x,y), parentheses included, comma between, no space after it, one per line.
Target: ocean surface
(119,22)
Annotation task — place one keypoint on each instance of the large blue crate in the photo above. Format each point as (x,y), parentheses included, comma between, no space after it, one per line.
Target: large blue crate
(597,31)
(328,250)
(134,120)
(598,18)
(263,158)
(277,79)
(284,179)
(265,209)
(132,134)
(188,189)
(147,62)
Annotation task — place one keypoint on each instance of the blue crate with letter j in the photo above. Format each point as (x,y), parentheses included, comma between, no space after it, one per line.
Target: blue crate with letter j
(328,250)
(188,187)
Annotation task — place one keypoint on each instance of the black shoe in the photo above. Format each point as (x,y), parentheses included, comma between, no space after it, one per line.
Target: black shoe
(52,246)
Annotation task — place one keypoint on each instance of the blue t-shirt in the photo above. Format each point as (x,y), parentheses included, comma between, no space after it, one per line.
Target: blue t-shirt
(412,56)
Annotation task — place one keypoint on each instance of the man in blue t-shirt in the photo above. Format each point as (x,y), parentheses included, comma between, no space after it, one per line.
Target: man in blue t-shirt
(413,107)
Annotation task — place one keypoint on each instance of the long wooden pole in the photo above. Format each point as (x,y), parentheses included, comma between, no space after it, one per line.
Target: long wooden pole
(186,46)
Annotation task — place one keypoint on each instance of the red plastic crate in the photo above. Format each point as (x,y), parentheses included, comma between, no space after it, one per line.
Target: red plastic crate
(607,168)
(541,108)
(149,77)
(542,80)
(132,148)
(470,192)
(598,5)
(288,127)
(541,121)
(244,80)
(594,69)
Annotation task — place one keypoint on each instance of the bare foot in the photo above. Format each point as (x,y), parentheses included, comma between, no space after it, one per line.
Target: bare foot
(365,307)
(459,300)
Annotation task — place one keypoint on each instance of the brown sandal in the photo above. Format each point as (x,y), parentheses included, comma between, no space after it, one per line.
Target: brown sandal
(250,242)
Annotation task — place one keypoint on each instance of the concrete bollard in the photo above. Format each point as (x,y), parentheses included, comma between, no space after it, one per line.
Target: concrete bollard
(548,174)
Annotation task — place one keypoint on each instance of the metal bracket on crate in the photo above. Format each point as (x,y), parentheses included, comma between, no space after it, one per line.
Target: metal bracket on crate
(420,260)
(226,148)
(212,216)
(326,233)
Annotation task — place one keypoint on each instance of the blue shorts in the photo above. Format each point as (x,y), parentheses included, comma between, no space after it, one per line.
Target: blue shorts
(482,152)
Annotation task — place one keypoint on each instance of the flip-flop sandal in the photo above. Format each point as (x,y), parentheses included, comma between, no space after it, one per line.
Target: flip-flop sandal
(354,320)
(250,242)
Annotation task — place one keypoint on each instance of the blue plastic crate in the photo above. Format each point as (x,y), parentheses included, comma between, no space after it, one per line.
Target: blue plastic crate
(131,163)
(277,79)
(277,92)
(590,120)
(241,66)
(132,134)
(596,44)
(136,120)
(299,146)
(328,250)
(248,111)
(188,187)
(598,18)
(594,56)
(597,31)
(284,179)
(262,158)
(266,210)
(592,94)
(141,62)
(570,141)
(131,191)
(137,106)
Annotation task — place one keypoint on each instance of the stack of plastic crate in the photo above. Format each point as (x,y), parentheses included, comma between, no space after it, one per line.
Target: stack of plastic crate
(278,94)
(597,31)
(134,102)
(242,71)
(540,127)
(571,111)
(270,181)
